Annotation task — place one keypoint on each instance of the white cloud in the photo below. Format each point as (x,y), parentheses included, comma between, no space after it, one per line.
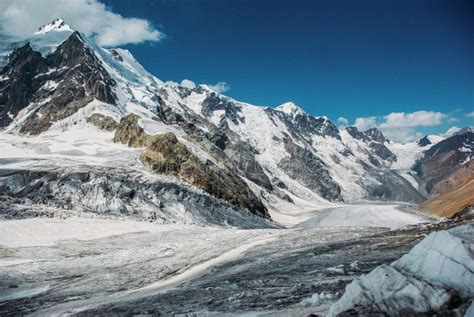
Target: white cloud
(342,121)
(171,83)
(365,123)
(188,83)
(414,119)
(402,126)
(91,17)
(470,114)
(452,120)
(220,87)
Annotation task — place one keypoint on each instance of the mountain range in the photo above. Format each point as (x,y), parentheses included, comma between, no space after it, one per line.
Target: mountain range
(118,190)
(198,146)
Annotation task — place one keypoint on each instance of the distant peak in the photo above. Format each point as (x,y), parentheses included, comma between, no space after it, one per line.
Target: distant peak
(376,135)
(465,130)
(424,141)
(290,108)
(57,25)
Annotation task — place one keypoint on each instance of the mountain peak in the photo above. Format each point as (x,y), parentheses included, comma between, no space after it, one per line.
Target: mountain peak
(424,141)
(465,130)
(57,25)
(376,135)
(290,108)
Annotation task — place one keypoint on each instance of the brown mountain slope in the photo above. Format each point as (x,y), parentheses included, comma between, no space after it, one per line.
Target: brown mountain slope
(457,177)
(453,201)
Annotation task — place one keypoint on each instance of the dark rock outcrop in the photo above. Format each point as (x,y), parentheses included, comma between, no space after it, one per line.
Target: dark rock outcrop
(303,166)
(102,122)
(54,87)
(376,135)
(222,143)
(164,154)
(424,141)
(304,125)
(21,83)
(375,140)
(215,102)
(443,158)
(382,151)
(356,134)
(393,187)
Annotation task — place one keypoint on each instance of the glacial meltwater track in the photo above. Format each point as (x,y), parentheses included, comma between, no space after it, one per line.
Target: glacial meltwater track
(367,215)
(169,269)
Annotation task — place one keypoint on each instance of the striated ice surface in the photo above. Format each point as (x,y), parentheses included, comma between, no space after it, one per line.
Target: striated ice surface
(435,272)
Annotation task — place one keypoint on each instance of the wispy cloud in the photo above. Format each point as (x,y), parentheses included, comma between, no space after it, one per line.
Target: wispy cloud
(342,121)
(364,123)
(23,17)
(470,114)
(402,126)
(220,87)
(414,119)
(188,83)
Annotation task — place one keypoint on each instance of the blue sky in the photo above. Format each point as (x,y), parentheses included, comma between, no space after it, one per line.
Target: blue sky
(337,58)
(352,59)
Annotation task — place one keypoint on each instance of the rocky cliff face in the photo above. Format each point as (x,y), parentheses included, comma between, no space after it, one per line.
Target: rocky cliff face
(254,156)
(375,140)
(443,159)
(164,154)
(51,88)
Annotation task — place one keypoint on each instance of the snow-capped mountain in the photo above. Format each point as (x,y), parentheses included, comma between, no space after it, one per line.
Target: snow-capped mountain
(443,159)
(58,25)
(252,157)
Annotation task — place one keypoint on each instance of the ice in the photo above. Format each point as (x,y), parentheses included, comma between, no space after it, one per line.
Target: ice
(31,232)
(420,281)
(444,258)
(389,216)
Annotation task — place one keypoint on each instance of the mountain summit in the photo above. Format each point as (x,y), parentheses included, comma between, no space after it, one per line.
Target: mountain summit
(246,158)
(57,25)
(290,108)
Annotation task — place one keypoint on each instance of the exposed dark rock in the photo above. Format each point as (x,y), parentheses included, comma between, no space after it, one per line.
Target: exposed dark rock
(356,134)
(129,132)
(220,142)
(116,55)
(393,187)
(305,125)
(443,158)
(376,135)
(375,140)
(55,86)
(102,122)
(243,157)
(303,166)
(382,151)
(424,141)
(215,102)
(166,155)
(18,90)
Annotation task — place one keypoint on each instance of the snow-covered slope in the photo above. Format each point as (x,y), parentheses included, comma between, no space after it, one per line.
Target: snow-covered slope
(289,158)
(58,25)
(45,40)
